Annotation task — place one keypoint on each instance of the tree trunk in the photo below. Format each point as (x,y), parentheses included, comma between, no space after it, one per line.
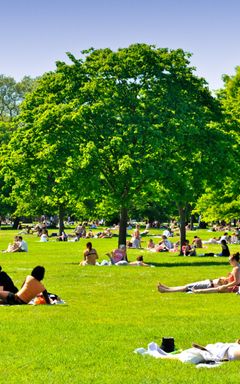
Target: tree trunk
(192,222)
(123,226)
(61,221)
(182,216)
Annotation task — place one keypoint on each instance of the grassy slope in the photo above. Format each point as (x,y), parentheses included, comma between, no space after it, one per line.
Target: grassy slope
(110,312)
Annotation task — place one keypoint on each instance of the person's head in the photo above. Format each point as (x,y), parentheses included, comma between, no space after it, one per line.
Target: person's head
(234,257)
(38,272)
(20,238)
(139,258)
(89,245)
(164,237)
(223,242)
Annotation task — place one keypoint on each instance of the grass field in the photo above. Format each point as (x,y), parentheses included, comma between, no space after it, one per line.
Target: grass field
(109,312)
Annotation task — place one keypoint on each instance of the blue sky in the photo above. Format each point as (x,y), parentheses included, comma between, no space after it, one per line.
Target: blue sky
(37,33)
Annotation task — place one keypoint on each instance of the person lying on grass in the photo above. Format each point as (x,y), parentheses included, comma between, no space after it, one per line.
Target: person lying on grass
(139,262)
(233,278)
(31,287)
(198,354)
(222,285)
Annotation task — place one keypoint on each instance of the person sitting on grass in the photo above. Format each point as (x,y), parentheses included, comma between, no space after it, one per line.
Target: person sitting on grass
(44,237)
(12,247)
(22,245)
(31,287)
(118,254)
(197,242)
(165,245)
(188,250)
(151,244)
(233,280)
(90,255)
(225,249)
(6,283)
(136,238)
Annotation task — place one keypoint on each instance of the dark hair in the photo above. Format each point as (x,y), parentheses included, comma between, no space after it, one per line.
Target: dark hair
(140,258)
(38,272)
(235,256)
(89,245)
(223,242)
(20,237)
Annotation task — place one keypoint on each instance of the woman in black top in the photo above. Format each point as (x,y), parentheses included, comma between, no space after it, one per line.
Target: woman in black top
(225,249)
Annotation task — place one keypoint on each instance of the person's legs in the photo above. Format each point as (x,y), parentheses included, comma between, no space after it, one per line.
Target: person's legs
(164,289)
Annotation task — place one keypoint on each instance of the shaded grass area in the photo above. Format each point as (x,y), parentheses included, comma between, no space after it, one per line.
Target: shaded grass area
(111,311)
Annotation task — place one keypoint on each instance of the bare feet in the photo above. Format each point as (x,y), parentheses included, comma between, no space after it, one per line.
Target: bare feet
(161,288)
(162,285)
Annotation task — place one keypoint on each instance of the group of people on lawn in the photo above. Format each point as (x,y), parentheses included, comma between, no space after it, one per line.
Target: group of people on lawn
(32,286)
(230,283)
(118,256)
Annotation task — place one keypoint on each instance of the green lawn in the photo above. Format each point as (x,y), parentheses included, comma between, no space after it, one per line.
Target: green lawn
(111,311)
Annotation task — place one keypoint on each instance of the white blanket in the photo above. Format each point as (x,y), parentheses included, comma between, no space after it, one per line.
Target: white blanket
(192,355)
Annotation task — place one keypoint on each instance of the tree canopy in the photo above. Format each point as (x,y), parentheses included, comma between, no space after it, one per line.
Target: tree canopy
(114,127)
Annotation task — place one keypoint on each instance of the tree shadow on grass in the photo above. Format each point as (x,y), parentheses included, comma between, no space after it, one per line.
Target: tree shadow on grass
(170,265)
(187,264)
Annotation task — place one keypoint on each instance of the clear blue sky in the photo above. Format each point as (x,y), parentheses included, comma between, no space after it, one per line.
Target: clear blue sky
(36,33)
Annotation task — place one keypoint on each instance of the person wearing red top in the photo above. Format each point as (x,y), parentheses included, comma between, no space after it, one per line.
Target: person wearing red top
(233,280)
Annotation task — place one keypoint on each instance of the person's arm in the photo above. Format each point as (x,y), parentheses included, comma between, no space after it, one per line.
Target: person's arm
(17,247)
(235,274)
(85,254)
(45,295)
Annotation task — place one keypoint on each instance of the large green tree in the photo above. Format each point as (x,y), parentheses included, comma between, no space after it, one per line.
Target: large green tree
(223,202)
(146,119)
(12,94)
(40,160)
(109,127)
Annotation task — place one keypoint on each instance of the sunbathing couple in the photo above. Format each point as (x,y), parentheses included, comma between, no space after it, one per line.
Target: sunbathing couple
(18,245)
(227,284)
(31,287)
